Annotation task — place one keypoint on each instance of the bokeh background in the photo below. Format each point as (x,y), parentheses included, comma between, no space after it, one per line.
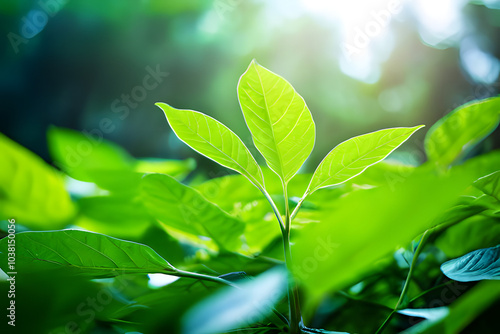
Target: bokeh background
(360,65)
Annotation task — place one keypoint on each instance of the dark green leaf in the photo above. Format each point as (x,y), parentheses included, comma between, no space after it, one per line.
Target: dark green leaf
(84,253)
(474,266)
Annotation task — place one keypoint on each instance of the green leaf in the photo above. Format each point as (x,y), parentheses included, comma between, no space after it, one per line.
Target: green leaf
(353,156)
(31,191)
(89,157)
(278,118)
(77,153)
(233,307)
(214,140)
(85,253)
(175,168)
(456,133)
(490,185)
(117,216)
(366,225)
(474,266)
(475,230)
(185,209)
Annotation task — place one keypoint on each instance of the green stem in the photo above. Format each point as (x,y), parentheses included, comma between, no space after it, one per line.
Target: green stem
(293,296)
(407,281)
(430,290)
(182,273)
(275,210)
(299,204)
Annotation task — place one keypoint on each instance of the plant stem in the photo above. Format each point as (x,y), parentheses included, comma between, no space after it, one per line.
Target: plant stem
(293,296)
(182,273)
(299,204)
(275,210)
(407,281)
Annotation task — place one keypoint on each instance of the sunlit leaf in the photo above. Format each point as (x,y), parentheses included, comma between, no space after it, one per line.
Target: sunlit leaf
(278,118)
(474,266)
(234,307)
(31,191)
(214,140)
(460,130)
(185,209)
(353,156)
(83,253)
(365,225)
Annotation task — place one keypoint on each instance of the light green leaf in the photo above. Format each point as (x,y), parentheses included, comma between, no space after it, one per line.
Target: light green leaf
(117,216)
(77,153)
(84,253)
(457,132)
(214,140)
(353,156)
(31,191)
(278,118)
(477,231)
(175,168)
(368,224)
(474,266)
(88,157)
(231,307)
(185,209)
(490,185)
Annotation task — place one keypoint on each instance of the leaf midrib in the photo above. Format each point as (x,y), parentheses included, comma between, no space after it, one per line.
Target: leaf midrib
(278,153)
(229,157)
(345,167)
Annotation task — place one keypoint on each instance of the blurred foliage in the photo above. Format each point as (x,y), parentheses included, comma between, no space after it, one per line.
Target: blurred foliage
(78,85)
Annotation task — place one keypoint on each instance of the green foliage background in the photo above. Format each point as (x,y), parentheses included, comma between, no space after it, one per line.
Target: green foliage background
(74,154)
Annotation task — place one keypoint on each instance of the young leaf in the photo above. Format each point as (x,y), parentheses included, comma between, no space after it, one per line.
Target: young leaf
(278,118)
(231,307)
(461,129)
(31,191)
(214,140)
(353,156)
(185,209)
(490,185)
(85,253)
(474,266)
